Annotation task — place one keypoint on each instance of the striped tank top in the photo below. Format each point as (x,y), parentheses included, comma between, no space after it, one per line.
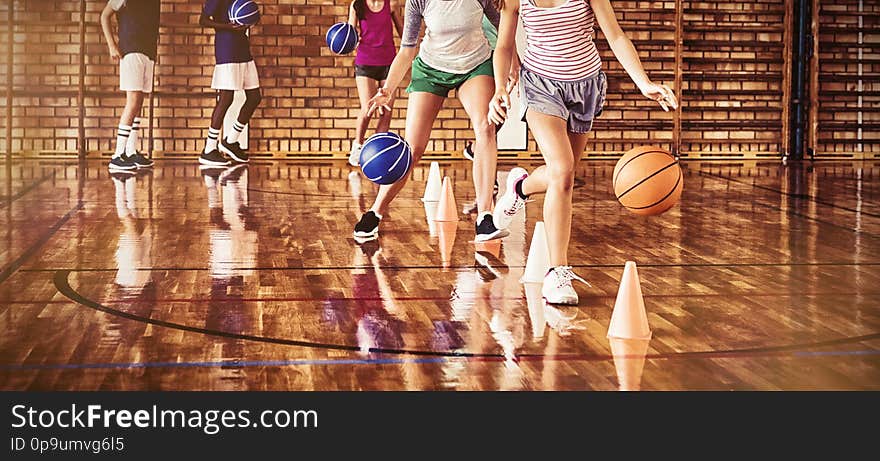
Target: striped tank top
(560,40)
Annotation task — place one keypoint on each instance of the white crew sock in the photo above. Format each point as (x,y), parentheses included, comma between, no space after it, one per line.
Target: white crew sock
(211,142)
(131,145)
(237,128)
(122,135)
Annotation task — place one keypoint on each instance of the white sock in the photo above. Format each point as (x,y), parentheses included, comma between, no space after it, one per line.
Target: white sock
(122,139)
(211,142)
(232,137)
(131,145)
(482,216)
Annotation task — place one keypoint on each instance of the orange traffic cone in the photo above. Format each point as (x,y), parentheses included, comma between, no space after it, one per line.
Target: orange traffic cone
(629,319)
(447,210)
(432,188)
(629,361)
(446,237)
(535,302)
(538,262)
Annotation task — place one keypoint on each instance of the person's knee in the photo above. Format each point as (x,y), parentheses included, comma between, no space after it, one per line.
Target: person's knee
(253,97)
(224,100)
(561,176)
(483,130)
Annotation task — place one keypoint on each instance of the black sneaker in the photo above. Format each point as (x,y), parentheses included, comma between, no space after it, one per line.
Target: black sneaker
(140,160)
(368,227)
(468,151)
(486,230)
(213,158)
(234,151)
(122,163)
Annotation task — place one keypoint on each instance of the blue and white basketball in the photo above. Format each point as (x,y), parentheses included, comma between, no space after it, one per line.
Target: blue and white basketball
(244,12)
(342,38)
(385,158)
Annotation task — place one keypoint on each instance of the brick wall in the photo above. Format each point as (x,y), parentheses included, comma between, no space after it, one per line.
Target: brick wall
(732,77)
(849,100)
(731,68)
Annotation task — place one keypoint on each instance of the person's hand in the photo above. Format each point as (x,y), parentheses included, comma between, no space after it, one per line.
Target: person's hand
(498,106)
(380,102)
(114,52)
(662,94)
(238,27)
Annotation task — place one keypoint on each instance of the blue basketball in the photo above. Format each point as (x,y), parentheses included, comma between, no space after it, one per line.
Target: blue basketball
(342,38)
(244,12)
(385,158)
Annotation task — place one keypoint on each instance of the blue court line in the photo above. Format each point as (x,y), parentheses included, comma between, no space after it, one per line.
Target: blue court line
(287,363)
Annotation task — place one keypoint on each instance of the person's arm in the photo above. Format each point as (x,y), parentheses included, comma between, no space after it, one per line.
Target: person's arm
(399,67)
(106,14)
(405,56)
(353,18)
(395,18)
(207,19)
(505,48)
(628,57)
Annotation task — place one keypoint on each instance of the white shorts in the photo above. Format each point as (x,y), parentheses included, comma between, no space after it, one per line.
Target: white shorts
(236,76)
(136,73)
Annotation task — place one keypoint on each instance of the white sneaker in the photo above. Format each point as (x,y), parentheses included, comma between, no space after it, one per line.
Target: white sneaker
(557,287)
(510,203)
(354,158)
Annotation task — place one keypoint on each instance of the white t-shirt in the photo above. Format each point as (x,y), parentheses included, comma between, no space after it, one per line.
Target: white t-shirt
(454,40)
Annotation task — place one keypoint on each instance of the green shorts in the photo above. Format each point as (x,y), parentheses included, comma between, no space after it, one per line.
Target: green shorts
(426,79)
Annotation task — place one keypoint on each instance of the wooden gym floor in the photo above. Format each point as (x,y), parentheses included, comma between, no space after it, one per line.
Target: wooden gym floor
(764,277)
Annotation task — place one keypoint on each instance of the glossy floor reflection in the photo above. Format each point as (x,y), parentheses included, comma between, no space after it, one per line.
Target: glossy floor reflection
(247,278)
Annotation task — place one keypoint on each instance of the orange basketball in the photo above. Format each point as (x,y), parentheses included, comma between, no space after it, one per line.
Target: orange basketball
(647,180)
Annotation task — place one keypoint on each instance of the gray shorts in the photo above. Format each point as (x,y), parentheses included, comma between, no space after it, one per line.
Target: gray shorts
(578,102)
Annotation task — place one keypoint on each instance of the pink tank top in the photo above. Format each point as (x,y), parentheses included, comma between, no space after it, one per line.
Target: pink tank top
(376,46)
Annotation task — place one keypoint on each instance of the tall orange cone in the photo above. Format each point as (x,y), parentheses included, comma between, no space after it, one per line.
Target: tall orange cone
(629,319)
(447,210)
(432,188)
(446,237)
(538,262)
(535,303)
(629,361)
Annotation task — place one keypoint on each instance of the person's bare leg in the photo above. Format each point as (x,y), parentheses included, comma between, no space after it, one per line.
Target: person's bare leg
(367,88)
(224,101)
(420,114)
(134,101)
(475,95)
(536,183)
(551,135)
(384,123)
